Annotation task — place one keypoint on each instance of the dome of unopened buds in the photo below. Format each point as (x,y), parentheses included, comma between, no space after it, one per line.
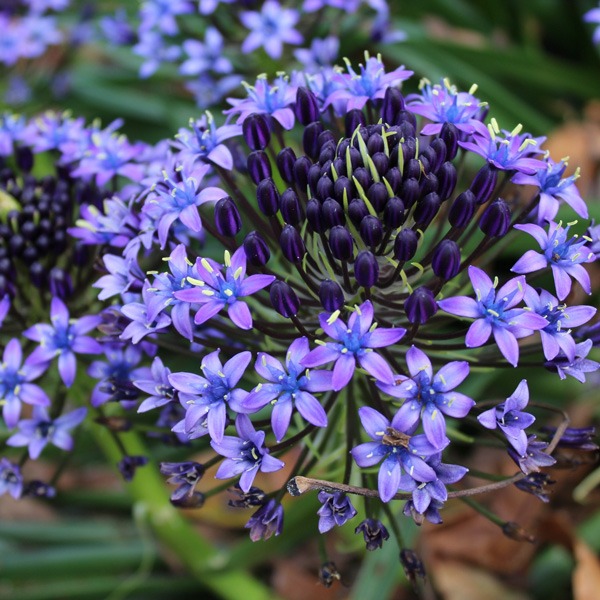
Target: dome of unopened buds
(341,289)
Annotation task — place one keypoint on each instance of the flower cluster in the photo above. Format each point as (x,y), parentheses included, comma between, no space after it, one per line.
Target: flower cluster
(339,293)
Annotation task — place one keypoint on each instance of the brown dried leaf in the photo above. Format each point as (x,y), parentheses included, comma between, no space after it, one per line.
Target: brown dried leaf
(586,576)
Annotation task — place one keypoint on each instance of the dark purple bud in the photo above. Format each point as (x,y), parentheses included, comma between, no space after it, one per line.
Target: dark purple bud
(449,135)
(193,500)
(16,245)
(371,231)
(408,122)
(354,118)
(378,196)
(128,465)
(326,137)
(576,438)
(38,489)
(363,177)
(257,131)
(24,158)
(291,210)
(409,148)
(393,104)
(357,210)
(310,139)
(267,196)
(314,174)
(37,273)
(515,532)
(412,169)
(484,183)
(340,167)
(426,209)
(495,221)
(60,283)
(381,162)
(394,179)
(227,217)
(447,177)
(355,159)
(405,245)
(462,209)
(373,530)
(410,191)
(292,244)
(413,567)
(430,154)
(440,151)
(253,497)
(329,574)
(284,300)
(259,166)
(256,250)
(366,269)
(327,153)
(331,295)
(333,213)
(324,188)
(375,144)
(393,213)
(301,168)
(307,107)
(343,184)
(314,216)
(80,254)
(429,183)
(420,306)
(286,160)
(341,243)
(446,259)
(29,255)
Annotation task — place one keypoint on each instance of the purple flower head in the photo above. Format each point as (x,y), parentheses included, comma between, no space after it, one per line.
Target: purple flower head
(205,56)
(374,533)
(11,480)
(593,16)
(576,438)
(393,443)
(161,14)
(577,367)
(51,130)
(429,395)
(38,32)
(185,476)
(266,521)
(495,313)
(336,510)
(207,7)
(146,317)
(424,493)
(511,419)
(245,455)
(265,98)
(563,255)
(124,275)
(179,200)
(507,151)
(272,27)
(534,457)
(108,156)
(63,339)
(556,336)
(116,28)
(353,341)
(216,292)
(322,54)
(117,375)
(206,397)
(153,49)
(12,128)
(442,103)
(432,513)
(592,235)
(554,188)
(205,143)
(167,284)
(41,430)
(289,385)
(370,84)
(160,389)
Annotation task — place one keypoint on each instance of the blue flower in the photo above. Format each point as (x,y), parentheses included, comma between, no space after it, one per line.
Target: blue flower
(286,388)
(206,397)
(577,367)
(563,255)
(356,341)
(394,444)
(431,395)
(205,56)
(266,521)
(336,510)
(216,292)
(270,28)
(11,480)
(161,14)
(495,313)
(593,16)
(159,387)
(244,455)
(63,339)
(146,317)
(152,48)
